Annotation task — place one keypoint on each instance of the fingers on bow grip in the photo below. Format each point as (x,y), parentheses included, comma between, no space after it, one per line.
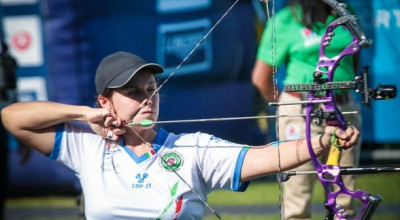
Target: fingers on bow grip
(335,150)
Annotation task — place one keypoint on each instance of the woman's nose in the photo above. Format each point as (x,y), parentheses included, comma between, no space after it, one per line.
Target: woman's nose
(146,102)
(149,101)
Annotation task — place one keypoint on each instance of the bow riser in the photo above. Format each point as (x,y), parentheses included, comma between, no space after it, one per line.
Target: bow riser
(353,26)
(327,66)
(330,64)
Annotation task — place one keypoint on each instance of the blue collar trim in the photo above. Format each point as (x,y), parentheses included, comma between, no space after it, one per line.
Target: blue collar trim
(157,144)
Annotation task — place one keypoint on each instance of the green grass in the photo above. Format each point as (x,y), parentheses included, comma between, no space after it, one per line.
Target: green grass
(244,217)
(267,192)
(258,193)
(276,217)
(49,201)
(52,218)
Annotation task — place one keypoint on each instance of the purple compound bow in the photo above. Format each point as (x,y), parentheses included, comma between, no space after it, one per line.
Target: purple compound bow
(329,174)
(322,91)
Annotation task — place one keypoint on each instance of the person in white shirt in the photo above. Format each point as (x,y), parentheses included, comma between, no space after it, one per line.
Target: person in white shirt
(144,172)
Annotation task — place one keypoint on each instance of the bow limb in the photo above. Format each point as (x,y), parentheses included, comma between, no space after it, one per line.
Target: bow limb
(353,26)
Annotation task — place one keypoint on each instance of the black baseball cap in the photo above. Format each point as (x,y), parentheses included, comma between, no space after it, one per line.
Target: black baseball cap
(115,70)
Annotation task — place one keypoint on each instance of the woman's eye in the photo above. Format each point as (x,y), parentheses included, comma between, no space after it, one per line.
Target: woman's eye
(131,92)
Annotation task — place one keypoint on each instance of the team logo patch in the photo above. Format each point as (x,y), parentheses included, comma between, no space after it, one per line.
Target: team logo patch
(141,181)
(171,161)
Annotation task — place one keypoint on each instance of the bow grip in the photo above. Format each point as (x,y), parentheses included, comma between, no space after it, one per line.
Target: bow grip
(334,153)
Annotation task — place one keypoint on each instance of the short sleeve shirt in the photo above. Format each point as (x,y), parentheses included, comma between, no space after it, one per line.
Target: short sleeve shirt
(298,47)
(118,184)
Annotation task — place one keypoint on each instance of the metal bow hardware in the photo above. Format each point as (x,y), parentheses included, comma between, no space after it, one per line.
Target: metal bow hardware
(321,91)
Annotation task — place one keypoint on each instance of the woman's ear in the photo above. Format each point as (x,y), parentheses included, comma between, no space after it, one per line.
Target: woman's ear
(103,101)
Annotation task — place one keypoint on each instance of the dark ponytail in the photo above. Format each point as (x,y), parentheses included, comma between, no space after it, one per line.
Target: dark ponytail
(308,8)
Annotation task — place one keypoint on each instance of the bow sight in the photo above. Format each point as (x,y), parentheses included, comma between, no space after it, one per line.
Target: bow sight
(360,84)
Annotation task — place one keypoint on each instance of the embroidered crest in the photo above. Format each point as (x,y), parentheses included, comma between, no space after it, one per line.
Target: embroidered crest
(171,161)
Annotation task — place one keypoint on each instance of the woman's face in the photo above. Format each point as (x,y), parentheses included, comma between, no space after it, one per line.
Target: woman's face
(131,102)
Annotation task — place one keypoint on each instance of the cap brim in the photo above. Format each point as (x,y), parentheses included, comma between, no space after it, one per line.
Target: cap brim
(127,75)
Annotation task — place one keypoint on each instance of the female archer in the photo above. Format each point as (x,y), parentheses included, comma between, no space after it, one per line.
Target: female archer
(134,171)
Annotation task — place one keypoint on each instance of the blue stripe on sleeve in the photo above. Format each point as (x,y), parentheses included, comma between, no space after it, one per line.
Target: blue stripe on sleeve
(277,143)
(57,142)
(237,185)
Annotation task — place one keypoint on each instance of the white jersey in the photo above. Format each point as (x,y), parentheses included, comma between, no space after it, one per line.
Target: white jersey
(118,184)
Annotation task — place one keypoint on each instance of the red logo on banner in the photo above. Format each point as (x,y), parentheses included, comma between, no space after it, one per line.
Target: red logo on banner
(21,40)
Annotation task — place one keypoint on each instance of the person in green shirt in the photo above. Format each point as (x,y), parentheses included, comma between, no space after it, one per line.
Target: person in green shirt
(298,30)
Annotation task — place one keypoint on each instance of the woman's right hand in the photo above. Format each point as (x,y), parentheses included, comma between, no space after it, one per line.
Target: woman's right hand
(105,123)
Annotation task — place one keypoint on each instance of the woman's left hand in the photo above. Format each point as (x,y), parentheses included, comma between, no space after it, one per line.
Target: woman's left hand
(347,138)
